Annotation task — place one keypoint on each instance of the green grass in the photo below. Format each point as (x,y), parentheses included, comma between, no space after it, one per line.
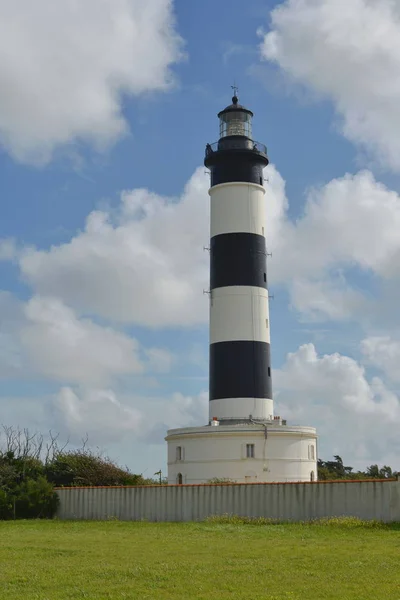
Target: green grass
(220,559)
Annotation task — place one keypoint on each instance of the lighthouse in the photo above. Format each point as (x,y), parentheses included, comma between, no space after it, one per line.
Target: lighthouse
(243,441)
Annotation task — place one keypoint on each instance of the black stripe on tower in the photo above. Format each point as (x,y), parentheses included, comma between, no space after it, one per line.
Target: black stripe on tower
(236,158)
(238,259)
(240,369)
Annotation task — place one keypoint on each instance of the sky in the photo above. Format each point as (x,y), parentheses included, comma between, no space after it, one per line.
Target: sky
(105,110)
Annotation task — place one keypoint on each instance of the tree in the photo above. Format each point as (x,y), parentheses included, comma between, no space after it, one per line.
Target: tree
(374,472)
(335,469)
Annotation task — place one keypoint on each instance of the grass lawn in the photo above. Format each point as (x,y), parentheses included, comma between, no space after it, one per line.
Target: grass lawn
(54,560)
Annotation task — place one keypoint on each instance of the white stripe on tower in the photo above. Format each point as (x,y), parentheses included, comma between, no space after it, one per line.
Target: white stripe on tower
(237,207)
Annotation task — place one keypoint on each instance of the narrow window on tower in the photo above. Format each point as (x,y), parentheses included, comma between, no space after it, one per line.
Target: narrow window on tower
(269,371)
(263,231)
(312,452)
(261,181)
(179,453)
(266,323)
(250,451)
(265,277)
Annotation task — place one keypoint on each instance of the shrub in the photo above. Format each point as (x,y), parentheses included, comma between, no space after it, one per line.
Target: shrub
(82,468)
(221,480)
(35,499)
(334,522)
(6,505)
(228,519)
(31,499)
(348,523)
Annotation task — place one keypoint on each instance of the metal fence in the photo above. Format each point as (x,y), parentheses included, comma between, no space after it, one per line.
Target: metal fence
(236,143)
(283,501)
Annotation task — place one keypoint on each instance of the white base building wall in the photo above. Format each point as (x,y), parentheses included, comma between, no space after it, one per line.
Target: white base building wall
(242,453)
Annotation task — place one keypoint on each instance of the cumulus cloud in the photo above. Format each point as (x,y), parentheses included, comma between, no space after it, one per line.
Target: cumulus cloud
(11,356)
(8,249)
(355,417)
(64,348)
(45,338)
(327,299)
(350,222)
(348,52)
(107,416)
(97,413)
(65,67)
(159,360)
(383,352)
(145,265)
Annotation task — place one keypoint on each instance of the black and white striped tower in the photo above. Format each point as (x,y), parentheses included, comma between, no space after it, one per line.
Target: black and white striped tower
(240,367)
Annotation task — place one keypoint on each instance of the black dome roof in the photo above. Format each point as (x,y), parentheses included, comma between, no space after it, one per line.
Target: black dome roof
(235,106)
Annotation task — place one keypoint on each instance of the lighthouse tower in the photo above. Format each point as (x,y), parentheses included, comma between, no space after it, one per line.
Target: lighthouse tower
(240,364)
(243,440)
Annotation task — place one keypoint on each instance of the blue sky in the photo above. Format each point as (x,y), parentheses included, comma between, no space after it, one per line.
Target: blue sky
(104,116)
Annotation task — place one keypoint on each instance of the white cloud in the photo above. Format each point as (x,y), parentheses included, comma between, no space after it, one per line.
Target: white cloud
(326,299)
(11,359)
(355,417)
(160,360)
(64,348)
(65,66)
(384,353)
(146,265)
(8,249)
(107,417)
(45,338)
(351,222)
(97,413)
(186,411)
(348,52)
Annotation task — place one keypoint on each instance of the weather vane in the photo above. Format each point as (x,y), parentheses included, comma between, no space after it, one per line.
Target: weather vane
(235,88)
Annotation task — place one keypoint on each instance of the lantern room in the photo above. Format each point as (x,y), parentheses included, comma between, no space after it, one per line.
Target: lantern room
(235,120)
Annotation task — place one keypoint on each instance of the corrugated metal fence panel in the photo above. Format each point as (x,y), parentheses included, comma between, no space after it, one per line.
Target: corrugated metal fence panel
(295,501)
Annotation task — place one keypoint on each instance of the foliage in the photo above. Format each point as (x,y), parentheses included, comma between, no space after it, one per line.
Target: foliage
(83,468)
(31,467)
(35,499)
(374,472)
(228,519)
(349,523)
(6,505)
(335,469)
(24,491)
(336,522)
(221,480)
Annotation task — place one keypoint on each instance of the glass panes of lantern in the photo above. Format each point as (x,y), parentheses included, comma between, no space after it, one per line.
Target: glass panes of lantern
(235,122)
